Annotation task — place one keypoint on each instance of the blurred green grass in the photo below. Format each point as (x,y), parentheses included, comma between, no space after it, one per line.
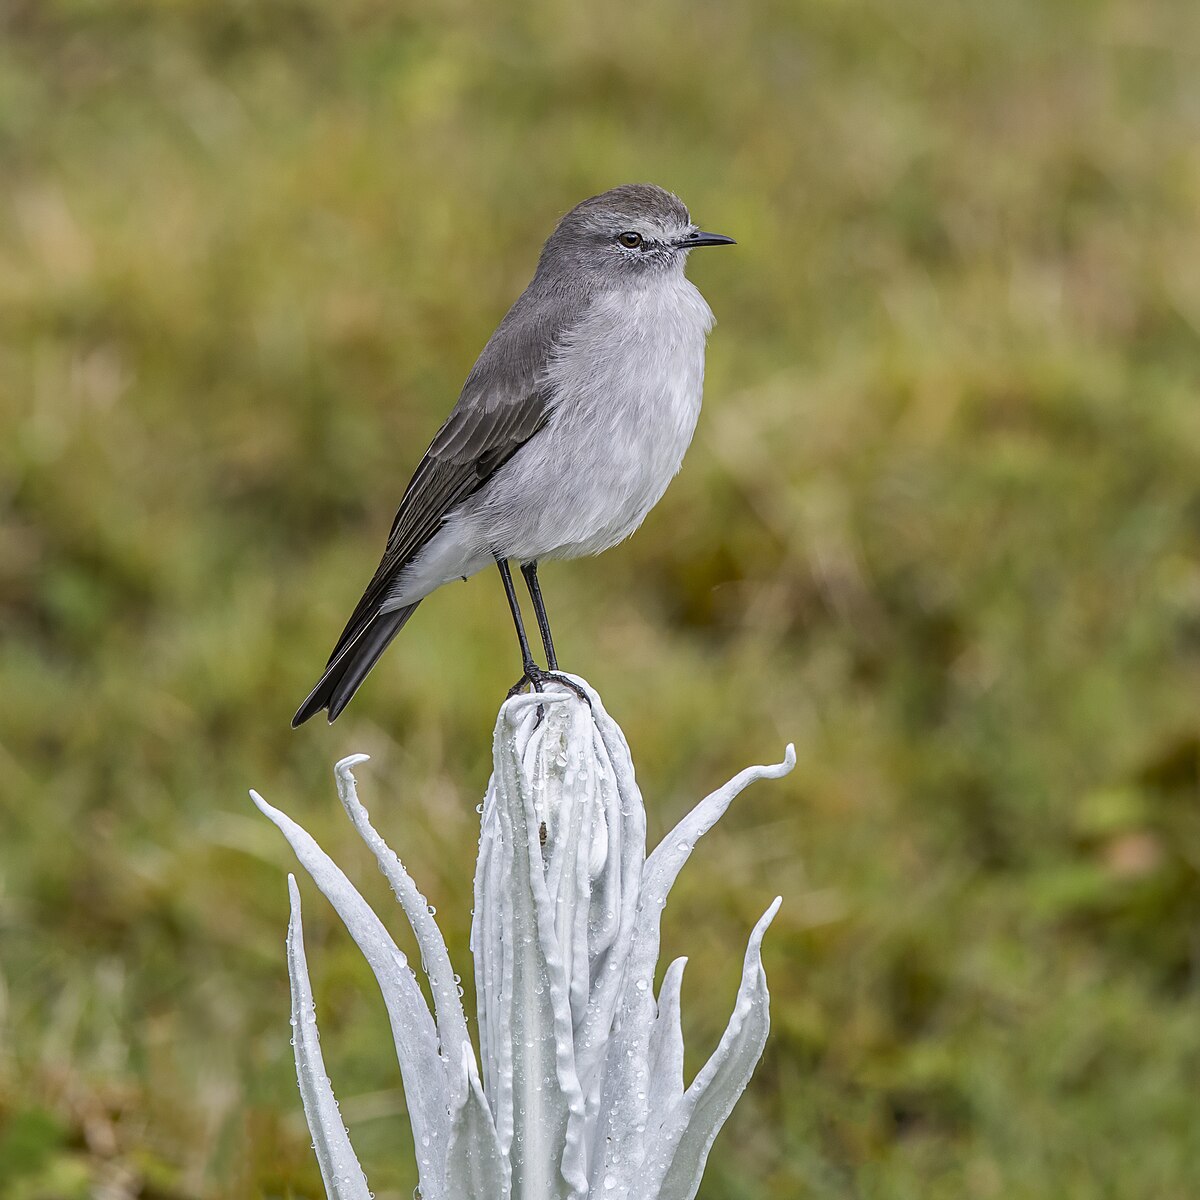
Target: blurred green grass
(940,527)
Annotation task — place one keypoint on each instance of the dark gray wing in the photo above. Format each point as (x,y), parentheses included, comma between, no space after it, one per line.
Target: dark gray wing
(504,402)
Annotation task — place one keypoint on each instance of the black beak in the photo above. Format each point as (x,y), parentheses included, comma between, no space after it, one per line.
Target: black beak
(700,238)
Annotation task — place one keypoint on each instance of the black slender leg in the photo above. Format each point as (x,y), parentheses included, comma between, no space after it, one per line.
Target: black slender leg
(533,672)
(529,570)
(534,675)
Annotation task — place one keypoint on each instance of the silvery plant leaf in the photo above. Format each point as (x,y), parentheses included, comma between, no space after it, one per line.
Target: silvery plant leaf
(343,1177)
(476,1167)
(443,983)
(579,1088)
(666,1050)
(535,1087)
(413,1030)
(619,1139)
(679,1152)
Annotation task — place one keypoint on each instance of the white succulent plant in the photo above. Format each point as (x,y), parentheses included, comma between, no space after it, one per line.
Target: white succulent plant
(579,1091)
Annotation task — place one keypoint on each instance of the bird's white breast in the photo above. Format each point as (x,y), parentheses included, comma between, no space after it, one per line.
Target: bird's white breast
(627,382)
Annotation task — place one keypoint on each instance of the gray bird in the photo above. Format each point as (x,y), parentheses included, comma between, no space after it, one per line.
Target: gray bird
(568,429)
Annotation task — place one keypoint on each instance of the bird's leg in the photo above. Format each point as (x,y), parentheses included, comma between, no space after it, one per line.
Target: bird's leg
(529,570)
(533,673)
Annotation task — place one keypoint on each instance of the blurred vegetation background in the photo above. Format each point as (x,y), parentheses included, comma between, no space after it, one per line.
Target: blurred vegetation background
(940,526)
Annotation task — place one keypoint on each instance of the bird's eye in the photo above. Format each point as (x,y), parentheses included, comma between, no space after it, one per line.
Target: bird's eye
(630,239)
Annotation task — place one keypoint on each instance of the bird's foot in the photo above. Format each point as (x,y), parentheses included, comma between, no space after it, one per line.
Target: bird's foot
(532,676)
(520,685)
(535,677)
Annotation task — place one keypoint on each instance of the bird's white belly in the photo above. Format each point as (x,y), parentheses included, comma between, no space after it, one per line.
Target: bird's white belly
(628,387)
(599,474)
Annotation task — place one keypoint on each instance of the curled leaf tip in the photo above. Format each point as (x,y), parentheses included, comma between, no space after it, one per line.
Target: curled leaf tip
(780,769)
(345,766)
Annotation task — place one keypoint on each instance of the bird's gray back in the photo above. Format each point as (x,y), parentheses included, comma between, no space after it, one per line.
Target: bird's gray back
(505,400)
(505,390)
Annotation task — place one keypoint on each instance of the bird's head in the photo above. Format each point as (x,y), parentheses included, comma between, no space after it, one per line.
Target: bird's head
(633,231)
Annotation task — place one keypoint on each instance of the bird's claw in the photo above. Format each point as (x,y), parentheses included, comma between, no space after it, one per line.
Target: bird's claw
(518,687)
(535,677)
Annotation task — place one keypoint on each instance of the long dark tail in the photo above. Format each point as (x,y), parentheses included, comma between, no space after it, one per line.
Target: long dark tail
(351,664)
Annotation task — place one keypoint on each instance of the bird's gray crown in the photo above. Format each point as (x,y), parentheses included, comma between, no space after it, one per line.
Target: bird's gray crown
(628,229)
(633,202)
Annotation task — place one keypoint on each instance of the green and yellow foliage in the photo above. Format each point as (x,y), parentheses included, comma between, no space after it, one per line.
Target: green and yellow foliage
(940,526)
